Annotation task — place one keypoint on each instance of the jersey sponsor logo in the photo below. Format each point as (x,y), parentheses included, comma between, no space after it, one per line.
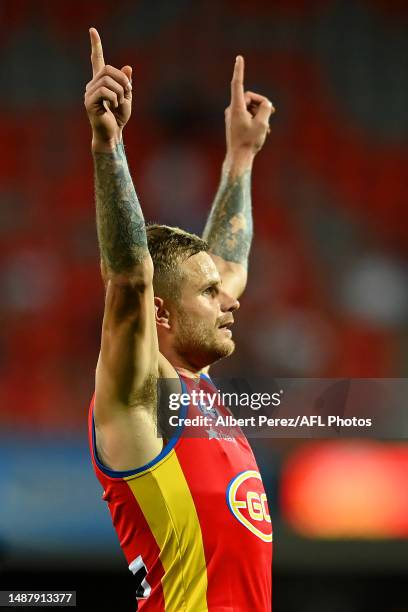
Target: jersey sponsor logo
(207,410)
(247,501)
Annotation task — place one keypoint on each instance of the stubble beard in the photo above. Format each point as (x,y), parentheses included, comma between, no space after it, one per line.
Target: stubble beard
(200,343)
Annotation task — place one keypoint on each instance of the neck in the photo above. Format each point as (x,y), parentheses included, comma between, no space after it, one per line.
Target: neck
(181,364)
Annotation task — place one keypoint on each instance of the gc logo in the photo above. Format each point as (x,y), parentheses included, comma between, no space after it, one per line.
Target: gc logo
(257,506)
(247,501)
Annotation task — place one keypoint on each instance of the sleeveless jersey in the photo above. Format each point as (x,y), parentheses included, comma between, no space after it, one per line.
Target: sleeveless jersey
(193,523)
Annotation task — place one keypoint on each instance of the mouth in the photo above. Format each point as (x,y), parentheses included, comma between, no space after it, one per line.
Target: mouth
(225,327)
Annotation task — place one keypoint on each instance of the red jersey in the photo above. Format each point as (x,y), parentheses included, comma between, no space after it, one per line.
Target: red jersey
(194,523)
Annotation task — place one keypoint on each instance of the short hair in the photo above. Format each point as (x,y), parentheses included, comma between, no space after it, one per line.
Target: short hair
(169,247)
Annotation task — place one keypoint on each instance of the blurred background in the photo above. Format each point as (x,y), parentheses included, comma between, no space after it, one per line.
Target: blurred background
(328,290)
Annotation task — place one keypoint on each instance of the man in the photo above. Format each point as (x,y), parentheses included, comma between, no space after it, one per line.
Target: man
(190,512)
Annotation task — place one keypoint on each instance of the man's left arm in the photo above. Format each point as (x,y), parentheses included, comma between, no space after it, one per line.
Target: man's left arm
(229,227)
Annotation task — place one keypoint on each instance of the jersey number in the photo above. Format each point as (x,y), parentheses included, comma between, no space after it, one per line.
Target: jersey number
(139,570)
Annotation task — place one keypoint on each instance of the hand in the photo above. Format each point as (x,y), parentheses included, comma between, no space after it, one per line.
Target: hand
(108,98)
(246,118)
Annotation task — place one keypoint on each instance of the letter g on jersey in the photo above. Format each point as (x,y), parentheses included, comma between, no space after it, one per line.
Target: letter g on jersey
(247,501)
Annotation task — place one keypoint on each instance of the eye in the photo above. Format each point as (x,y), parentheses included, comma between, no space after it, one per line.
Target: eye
(211,290)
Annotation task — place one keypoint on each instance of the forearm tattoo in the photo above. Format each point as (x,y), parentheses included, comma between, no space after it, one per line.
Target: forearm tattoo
(229,227)
(119,218)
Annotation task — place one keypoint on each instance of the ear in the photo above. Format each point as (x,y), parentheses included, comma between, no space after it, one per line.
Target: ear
(162,314)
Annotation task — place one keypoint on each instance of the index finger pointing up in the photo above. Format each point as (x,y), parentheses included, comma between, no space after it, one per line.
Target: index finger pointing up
(237,84)
(97,52)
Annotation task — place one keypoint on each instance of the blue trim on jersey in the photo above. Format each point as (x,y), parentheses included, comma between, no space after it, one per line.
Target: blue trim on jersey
(208,378)
(165,451)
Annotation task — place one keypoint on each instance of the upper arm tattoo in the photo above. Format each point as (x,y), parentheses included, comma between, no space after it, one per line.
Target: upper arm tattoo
(120,223)
(229,228)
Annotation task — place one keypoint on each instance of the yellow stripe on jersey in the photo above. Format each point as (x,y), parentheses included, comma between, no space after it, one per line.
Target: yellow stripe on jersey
(166,502)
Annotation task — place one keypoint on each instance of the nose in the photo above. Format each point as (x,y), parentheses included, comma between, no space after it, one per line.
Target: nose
(229,303)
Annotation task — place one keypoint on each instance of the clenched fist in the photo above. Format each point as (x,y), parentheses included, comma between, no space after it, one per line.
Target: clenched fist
(246,118)
(108,98)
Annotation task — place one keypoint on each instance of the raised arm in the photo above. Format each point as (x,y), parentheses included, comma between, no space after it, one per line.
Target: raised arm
(119,218)
(229,227)
(127,365)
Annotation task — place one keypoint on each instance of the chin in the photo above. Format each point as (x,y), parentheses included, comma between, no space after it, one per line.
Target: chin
(223,349)
(203,353)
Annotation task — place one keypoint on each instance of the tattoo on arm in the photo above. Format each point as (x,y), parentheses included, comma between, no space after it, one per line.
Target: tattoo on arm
(229,227)
(119,218)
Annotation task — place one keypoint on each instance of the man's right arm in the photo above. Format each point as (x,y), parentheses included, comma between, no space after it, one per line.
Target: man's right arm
(128,361)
